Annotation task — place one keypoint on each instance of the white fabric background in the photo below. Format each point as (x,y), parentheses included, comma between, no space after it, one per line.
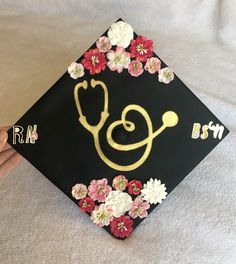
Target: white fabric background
(197,223)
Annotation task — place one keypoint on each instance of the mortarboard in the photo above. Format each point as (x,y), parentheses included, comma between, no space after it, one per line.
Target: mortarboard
(118,131)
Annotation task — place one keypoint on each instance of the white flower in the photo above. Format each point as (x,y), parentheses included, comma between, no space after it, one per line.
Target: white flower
(120,34)
(79,191)
(166,75)
(119,202)
(101,215)
(153,191)
(76,70)
(118,60)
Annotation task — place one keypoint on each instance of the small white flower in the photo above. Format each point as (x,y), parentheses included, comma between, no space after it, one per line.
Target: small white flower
(76,70)
(79,191)
(166,75)
(120,202)
(153,191)
(120,34)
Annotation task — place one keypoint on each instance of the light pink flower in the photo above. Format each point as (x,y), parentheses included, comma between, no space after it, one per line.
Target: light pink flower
(102,215)
(120,182)
(79,191)
(99,189)
(118,59)
(153,65)
(135,68)
(103,44)
(139,208)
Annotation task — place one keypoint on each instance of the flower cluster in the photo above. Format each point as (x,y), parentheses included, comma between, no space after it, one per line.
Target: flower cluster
(118,51)
(118,206)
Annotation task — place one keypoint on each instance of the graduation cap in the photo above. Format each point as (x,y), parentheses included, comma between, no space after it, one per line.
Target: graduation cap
(118,131)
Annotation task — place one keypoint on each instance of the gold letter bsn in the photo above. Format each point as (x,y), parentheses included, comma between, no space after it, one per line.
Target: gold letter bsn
(169,119)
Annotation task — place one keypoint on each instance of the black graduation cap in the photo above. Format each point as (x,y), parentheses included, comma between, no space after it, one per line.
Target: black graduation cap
(118,131)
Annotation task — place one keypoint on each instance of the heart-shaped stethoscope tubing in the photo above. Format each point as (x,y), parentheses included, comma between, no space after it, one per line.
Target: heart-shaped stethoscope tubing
(169,119)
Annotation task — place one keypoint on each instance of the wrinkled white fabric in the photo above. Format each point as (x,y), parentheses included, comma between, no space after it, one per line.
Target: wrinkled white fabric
(197,222)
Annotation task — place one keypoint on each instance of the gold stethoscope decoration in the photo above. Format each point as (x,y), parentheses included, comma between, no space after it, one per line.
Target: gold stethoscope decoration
(169,119)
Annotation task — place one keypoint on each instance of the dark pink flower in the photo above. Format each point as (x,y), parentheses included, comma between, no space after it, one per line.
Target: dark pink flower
(86,204)
(94,61)
(134,187)
(121,226)
(141,48)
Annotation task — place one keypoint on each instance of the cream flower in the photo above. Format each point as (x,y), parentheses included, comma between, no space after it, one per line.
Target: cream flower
(153,191)
(79,191)
(118,59)
(120,34)
(76,70)
(101,215)
(166,75)
(120,202)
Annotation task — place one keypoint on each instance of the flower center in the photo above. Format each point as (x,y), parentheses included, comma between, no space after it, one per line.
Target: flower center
(136,67)
(121,226)
(167,75)
(117,59)
(102,216)
(85,204)
(94,60)
(101,189)
(141,49)
(135,188)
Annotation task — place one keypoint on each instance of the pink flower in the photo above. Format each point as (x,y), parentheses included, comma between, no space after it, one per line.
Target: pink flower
(139,208)
(135,68)
(153,65)
(141,48)
(94,61)
(121,226)
(79,191)
(86,204)
(103,44)
(99,189)
(118,59)
(120,182)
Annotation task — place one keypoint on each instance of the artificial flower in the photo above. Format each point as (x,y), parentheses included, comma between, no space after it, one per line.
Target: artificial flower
(153,191)
(141,48)
(94,61)
(99,189)
(101,215)
(103,44)
(120,202)
(76,70)
(134,187)
(139,208)
(119,182)
(79,191)
(86,204)
(118,59)
(120,34)
(122,226)
(166,75)
(153,65)
(135,68)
